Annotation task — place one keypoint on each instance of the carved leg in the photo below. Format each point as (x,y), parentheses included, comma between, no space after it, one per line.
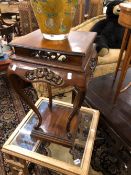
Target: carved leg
(50,95)
(73,95)
(16,83)
(76,106)
(123,47)
(17,28)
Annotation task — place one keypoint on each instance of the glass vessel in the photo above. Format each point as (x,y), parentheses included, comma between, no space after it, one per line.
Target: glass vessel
(54,17)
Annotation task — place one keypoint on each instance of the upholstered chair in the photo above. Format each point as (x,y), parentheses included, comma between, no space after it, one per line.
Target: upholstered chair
(107,63)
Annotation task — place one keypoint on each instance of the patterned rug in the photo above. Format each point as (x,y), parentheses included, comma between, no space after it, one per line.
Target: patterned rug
(12,111)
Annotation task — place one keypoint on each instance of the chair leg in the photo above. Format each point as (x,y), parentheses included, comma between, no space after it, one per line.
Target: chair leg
(123,46)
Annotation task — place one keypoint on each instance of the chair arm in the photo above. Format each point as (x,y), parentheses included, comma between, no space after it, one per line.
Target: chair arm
(88,24)
(107,63)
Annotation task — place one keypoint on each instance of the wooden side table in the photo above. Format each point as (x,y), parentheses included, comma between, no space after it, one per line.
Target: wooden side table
(68,62)
(21,148)
(125,21)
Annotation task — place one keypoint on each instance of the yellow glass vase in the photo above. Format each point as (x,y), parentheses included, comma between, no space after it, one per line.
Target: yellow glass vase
(54,17)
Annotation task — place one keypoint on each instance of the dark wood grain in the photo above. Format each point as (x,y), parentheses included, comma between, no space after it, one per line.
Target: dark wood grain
(100,95)
(77,42)
(4,64)
(54,122)
(37,60)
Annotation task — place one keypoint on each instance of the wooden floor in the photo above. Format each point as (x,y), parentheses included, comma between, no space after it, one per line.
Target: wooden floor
(100,96)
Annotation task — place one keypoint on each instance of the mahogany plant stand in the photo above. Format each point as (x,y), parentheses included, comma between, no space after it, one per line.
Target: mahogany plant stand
(68,62)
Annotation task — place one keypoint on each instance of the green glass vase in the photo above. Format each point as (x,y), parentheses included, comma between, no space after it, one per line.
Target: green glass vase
(54,17)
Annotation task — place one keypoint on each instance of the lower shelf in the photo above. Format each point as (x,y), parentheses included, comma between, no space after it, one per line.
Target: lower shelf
(54,122)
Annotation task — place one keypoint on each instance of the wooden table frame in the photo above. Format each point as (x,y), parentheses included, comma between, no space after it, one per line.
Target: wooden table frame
(37,60)
(125,21)
(62,167)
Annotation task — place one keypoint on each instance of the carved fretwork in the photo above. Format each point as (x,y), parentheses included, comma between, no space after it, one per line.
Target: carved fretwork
(49,55)
(92,64)
(45,75)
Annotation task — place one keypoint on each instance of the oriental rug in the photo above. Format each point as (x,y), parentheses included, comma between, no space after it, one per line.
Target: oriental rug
(12,111)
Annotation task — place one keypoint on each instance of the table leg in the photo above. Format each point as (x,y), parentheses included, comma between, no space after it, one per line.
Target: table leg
(50,95)
(123,47)
(125,65)
(16,82)
(76,106)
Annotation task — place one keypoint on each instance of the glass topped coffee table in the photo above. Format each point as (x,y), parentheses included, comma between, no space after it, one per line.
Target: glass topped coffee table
(22,148)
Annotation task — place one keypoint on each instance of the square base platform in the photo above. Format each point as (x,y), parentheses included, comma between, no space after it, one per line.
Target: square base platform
(54,122)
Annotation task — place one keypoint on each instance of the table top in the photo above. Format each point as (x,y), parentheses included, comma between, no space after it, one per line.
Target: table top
(126,6)
(73,54)
(23,145)
(77,42)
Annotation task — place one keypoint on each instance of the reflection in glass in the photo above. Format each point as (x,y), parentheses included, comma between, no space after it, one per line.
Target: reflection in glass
(72,156)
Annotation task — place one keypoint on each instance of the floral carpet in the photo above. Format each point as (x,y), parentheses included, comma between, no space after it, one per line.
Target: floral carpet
(12,111)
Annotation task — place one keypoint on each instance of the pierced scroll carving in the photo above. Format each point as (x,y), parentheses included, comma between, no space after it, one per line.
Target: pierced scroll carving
(49,56)
(92,64)
(45,75)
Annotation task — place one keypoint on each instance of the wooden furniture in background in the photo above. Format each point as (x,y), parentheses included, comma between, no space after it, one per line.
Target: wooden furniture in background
(95,8)
(7,32)
(10,11)
(22,148)
(106,64)
(9,8)
(28,21)
(124,20)
(8,29)
(80,13)
(59,63)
